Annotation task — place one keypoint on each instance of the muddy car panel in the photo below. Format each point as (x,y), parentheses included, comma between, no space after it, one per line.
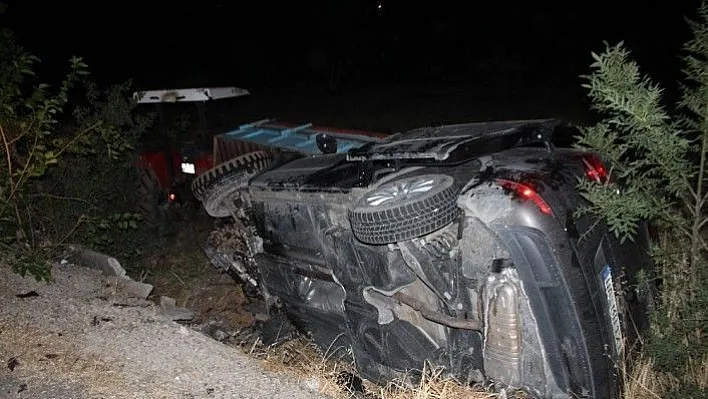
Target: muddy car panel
(514,290)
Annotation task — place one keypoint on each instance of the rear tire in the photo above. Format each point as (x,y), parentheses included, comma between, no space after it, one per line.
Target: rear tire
(148,193)
(218,187)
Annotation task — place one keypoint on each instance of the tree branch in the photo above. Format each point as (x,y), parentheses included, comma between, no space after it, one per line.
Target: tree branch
(63,198)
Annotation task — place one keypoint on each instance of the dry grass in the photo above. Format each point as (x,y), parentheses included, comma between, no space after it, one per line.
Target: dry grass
(643,381)
(302,359)
(52,357)
(697,372)
(432,386)
(324,372)
(330,374)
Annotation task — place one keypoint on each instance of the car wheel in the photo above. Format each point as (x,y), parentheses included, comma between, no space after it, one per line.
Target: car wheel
(216,187)
(405,209)
(148,192)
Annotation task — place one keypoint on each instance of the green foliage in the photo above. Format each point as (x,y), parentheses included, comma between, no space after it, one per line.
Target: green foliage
(92,192)
(51,162)
(621,210)
(695,91)
(692,391)
(647,152)
(116,123)
(658,163)
(27,121)
(100,230)
(27,261)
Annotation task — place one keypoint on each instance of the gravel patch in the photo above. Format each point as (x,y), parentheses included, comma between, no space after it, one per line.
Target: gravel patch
(80,337)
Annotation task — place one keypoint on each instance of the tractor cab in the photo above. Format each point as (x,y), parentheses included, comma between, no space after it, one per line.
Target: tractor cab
(167,164)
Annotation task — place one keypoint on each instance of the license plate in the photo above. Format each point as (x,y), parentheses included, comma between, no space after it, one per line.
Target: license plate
(613,308)
(188,168)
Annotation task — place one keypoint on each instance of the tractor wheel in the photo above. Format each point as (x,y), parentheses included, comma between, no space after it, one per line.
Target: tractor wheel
(148,194)
(217,187)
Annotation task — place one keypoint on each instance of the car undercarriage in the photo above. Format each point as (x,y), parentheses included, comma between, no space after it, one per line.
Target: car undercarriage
(454,245)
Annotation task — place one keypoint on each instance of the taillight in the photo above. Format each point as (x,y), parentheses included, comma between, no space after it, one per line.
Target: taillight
(526,192)
(595,170)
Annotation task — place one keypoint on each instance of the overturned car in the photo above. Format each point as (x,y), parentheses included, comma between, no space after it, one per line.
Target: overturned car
(455,245)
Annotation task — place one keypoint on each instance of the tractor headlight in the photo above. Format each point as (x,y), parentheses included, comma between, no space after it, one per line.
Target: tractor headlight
(189,168)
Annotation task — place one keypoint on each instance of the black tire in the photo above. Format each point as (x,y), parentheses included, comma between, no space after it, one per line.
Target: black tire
(148,192)
(216,186)
(206,180)
(426,203)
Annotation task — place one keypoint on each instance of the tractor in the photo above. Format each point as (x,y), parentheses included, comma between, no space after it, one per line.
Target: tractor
(168,170)
(167,164)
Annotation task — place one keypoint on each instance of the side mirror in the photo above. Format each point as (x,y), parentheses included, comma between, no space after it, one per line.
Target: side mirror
(326,144)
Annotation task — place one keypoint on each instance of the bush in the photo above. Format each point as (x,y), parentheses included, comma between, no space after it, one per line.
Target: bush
(657,157)
(91,192)
(59,172)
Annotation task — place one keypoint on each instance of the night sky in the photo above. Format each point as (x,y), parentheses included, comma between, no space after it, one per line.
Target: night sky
(271,44)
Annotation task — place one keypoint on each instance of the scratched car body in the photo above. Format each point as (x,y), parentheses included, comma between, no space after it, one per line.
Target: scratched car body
(455,245)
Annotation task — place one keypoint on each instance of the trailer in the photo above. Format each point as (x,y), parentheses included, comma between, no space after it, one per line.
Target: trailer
(274,137)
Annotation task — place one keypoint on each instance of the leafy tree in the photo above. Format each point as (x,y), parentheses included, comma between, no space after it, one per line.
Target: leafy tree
(36,137)
(658,163)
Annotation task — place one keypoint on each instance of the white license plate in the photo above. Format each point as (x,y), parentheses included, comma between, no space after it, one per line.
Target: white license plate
(188,168)
(613,309)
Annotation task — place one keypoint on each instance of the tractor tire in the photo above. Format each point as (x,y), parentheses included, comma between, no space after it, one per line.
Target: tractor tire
(216,187)
(148,192)
(405,209)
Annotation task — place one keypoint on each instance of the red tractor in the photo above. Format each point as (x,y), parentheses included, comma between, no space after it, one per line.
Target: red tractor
(167,165)
(167,171)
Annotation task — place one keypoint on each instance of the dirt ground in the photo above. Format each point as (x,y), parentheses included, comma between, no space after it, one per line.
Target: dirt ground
(81,337)
(213,296)
(180,270)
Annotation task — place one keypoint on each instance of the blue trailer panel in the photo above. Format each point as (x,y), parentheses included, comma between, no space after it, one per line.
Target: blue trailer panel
(267,134)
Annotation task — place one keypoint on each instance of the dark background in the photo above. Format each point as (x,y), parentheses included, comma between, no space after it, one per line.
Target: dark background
(502,59)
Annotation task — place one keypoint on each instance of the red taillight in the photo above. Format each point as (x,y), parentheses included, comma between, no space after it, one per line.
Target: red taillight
(526,192)
(172,196)
(595,170)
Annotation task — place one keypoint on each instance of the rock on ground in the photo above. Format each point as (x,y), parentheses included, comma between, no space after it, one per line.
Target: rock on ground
(81,337)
